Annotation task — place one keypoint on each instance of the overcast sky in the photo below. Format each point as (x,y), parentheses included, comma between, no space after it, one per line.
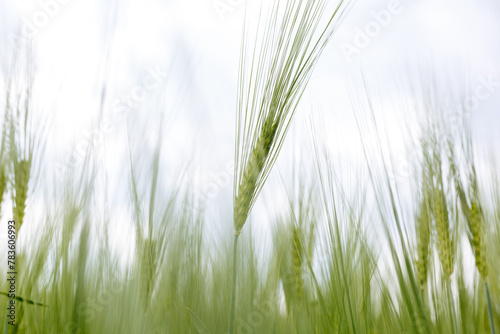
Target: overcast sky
(184,55)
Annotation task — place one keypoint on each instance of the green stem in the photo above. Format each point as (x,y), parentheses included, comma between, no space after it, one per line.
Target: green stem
(492,325)
(233,289)
(452,305)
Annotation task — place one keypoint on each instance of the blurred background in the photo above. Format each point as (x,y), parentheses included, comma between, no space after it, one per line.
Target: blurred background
(118,147)
(107,74)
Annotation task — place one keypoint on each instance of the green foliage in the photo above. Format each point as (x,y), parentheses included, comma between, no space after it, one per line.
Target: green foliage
(338,261)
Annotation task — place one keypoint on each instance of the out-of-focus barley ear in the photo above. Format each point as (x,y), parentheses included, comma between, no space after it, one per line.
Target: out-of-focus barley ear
(424,221)
(442,223)
(472,212)
(25,144)
(445,238)
(297,251)
(476,226)
(423,243)
(4,161)
(3,183)
(21,179)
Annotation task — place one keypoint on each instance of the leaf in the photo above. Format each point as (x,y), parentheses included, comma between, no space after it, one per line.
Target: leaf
(24,300)
(200,326)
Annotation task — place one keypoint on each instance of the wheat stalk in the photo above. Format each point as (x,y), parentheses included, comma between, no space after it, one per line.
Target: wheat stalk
(21,178)
(24,138)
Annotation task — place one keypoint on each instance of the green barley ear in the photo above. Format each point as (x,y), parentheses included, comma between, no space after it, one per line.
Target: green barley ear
(293,256)
(444,239)
(21,154)
(424,219)
(21,178)
(445,242)
(271,84)
(476,227)
(297,256)
(3,182)
(26,142)
(254,168)
(471,209)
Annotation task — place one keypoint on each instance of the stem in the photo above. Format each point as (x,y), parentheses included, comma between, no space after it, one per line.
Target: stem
(233,289)
(492,325)
(452,305)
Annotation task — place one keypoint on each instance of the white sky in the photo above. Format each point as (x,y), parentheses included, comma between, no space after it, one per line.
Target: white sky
(199,50)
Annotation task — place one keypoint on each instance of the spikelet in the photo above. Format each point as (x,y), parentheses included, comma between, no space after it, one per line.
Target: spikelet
(21,178)
(253,169)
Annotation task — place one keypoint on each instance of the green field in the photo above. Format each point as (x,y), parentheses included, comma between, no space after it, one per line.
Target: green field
(352,251)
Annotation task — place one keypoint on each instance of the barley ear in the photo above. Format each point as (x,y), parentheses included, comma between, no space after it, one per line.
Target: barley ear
(21,178)
(476,227)
(3,183)
(248,185)
(297,251)
(423,244)
(472,212)
(272,79)
(442,223)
